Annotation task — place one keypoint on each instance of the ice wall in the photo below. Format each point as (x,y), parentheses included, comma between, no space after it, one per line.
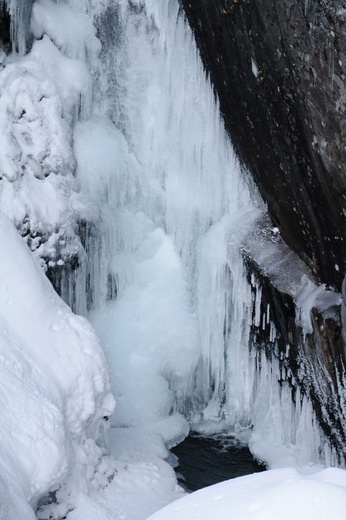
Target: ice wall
(173,195)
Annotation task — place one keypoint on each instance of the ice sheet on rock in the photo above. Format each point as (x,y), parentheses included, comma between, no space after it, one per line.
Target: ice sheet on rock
(285,433)
(287,272)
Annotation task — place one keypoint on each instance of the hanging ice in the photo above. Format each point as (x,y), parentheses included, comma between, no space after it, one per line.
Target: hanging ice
(172,199)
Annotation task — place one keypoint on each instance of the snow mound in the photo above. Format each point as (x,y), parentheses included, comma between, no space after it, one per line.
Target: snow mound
(73,32)
(141,480)
(55,389)
(284,494)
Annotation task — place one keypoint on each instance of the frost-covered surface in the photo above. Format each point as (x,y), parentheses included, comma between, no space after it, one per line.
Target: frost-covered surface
(283,494)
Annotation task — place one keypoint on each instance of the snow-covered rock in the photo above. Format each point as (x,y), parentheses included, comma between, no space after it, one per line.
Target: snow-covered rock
(55,389)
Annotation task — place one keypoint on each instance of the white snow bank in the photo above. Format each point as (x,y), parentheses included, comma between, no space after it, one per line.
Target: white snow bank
(54,381)
(136,491)
(148,442)
(140,481)
(271,495)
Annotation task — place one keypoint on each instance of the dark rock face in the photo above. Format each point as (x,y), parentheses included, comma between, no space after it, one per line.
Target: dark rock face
(279,69)
(309,325)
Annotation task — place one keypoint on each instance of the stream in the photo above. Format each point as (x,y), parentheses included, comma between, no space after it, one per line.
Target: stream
(204,461)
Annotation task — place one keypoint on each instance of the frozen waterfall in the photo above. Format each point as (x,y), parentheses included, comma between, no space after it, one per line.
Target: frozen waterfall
(172,196)
(167,287)
(144,165)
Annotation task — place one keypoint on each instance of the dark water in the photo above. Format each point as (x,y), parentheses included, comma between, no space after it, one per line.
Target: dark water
(204,461)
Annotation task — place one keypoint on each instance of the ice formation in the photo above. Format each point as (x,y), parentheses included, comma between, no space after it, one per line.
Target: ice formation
(117,171)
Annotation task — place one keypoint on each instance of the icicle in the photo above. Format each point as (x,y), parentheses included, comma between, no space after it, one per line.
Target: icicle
(20,13)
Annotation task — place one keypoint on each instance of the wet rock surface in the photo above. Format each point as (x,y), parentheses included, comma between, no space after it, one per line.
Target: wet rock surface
(279,71)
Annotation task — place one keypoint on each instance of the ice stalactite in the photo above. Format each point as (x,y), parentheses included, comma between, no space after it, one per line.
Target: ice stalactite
(20,13)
